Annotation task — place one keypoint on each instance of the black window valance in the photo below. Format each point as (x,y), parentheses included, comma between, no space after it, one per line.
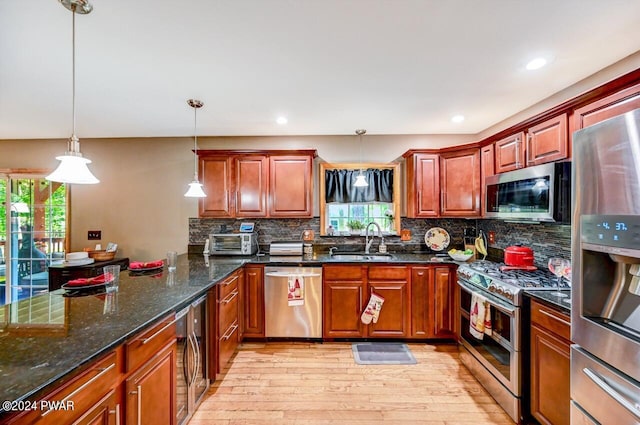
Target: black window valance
(339,186)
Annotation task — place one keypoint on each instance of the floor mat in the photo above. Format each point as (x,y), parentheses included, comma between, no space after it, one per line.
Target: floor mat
(382,353)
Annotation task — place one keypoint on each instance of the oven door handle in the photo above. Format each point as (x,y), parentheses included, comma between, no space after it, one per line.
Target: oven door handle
(495,302)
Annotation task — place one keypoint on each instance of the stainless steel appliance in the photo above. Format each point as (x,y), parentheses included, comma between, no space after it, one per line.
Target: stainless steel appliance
(605,313)
(192,374)
(539,193)
(293,310)
(496,359)
(233,243)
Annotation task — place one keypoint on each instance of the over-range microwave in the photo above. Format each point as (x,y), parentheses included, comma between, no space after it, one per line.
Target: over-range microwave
(233,244)
(538,193)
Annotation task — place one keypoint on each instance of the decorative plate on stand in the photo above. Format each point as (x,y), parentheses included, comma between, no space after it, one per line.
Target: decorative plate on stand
(437,239)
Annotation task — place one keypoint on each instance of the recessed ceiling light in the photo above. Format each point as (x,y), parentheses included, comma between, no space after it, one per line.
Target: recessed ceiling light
(457,118)
(282,120)
(536,63)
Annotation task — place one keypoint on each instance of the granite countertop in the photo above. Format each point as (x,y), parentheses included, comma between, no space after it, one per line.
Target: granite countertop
(34,357)
(324,258)
(552,298)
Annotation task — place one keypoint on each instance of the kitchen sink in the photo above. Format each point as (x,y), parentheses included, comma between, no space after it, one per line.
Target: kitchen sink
(359,256)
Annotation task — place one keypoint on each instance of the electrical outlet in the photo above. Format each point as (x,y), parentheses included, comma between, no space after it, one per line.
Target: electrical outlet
(492,237)
(94,235)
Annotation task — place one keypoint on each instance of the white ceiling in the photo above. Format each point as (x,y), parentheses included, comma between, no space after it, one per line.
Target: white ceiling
(330,66)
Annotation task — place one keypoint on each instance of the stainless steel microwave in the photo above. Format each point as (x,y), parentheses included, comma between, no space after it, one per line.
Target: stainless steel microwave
(538,193)
(233,243)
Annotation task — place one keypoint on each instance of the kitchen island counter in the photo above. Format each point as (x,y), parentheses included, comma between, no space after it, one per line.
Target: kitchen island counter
(48,339)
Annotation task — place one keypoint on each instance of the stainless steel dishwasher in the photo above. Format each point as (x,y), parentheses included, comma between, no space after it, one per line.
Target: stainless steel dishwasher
(293,302)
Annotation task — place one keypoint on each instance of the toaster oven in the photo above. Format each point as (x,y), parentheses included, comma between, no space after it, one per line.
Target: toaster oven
(233,243)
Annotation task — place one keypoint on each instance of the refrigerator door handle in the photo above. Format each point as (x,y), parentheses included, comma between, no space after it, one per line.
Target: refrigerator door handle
(633,409)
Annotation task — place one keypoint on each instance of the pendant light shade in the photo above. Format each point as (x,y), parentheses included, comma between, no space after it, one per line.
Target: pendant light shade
(195,187)
(73,166)
(361,180)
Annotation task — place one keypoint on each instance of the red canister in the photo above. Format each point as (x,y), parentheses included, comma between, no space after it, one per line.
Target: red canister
(517,255)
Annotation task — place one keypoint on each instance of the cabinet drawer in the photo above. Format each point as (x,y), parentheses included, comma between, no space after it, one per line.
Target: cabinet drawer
(83,392)
(551,319)
(228,285)
(227,311)
(342,272)
(143,346)
(388,272)
(227,344)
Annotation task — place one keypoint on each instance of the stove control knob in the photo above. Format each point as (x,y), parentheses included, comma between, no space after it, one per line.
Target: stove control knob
(508,294)
(492,288)
(500,290)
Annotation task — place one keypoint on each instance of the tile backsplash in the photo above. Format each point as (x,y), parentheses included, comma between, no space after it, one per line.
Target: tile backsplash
(546,240)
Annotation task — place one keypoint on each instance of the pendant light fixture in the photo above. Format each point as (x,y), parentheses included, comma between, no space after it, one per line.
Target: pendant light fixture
(195,187)
(73,166)
(361,181)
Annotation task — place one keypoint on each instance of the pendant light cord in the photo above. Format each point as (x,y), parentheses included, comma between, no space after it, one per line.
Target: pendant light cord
(195,143)
(73,70)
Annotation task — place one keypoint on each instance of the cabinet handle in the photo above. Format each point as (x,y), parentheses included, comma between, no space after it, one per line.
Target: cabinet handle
(146,340)
(420,273)
(196,350)
(229,297)
(230,281)
(612,392)
(232,329)
(117,413)
(518,165)
(102,370)
(139,404)
(528,151)
(553,316)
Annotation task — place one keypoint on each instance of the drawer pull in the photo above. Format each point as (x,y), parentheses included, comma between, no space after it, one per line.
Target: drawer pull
(117,413)
(602,383)
(553,316)
(230,281)
(232,329)
(229,297)
(146,340)
(102,370)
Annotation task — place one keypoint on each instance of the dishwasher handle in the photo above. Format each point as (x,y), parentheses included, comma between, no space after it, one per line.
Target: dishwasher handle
(286,274)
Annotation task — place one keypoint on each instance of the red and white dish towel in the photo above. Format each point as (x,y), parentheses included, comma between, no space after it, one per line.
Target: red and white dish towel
(479,317)
(295,295)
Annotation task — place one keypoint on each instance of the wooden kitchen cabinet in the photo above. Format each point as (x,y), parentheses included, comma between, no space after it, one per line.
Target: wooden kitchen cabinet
(344,289)
(487,168)
(510,153)
(548,141)
(432,302)
(423,185)
(256,184)
(618,103)
(150,391)
(391,283)
(104,412)
(227,320)
(253,301)
(460,183)
(550,364)
(290,186)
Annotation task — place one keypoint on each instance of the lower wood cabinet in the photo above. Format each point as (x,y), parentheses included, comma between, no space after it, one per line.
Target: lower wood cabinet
(418,301)
(253,301)
(550,365)
(104,412)
(150,391)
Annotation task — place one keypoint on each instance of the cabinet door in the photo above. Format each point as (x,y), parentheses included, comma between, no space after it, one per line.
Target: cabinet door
(290,186)
(509,153)
(215,173)
(548,141)
(442,296)
(150,391)
(104,412)
(342,309)
(421,307)
(487,168)
(253,302)
(550,377)
(251,186)
(618,103)
(460,183)
(394,319)
(423,193)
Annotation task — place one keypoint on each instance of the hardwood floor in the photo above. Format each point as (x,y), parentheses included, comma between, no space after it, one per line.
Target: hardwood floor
(307,383)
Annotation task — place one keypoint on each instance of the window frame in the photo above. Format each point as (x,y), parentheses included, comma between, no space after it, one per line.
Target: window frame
(357,166)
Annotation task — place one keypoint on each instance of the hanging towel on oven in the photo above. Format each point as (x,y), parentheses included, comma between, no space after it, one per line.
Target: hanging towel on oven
(479,316)
(295,295)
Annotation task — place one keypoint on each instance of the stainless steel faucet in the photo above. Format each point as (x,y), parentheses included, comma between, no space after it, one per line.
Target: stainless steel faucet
(332,249)
(368,242)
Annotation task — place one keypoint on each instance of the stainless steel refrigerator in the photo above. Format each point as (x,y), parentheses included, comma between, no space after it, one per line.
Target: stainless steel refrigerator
(605,309)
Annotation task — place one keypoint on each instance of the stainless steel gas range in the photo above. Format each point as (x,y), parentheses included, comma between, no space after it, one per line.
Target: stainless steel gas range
(495,358)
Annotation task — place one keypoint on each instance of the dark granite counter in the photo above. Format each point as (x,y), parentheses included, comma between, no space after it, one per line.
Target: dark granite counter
(318,259)
(551,298)
(37,355)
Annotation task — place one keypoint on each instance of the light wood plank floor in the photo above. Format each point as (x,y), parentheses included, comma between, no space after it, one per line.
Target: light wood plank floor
(307,383)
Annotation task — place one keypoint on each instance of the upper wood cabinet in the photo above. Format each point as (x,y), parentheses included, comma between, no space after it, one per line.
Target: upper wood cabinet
(460,183)
(539,144)
(423,181)
(487,168)
(256,184)
(290,186)
(623,101)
